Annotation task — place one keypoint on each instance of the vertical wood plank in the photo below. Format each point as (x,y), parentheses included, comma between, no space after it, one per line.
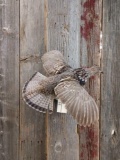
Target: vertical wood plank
(9,80)
(64,35)
(90,55)
(32,123)
(110,88)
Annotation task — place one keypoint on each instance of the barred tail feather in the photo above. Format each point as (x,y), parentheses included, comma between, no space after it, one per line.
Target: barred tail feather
(34,98)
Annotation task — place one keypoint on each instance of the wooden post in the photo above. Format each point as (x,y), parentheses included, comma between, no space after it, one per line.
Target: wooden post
(110,87)
(32,123)
(63,34)
(9,80)
(90,55)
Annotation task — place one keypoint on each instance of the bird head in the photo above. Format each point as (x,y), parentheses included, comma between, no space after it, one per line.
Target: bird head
(83,74)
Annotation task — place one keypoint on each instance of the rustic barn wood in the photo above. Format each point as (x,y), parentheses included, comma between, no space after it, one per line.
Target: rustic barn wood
(89,55)
(63,34)
(32,123)
(110,87)
(27,30)
(9,80)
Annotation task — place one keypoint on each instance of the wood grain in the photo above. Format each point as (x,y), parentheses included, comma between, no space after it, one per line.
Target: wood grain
(90,55)
(9,80)
(32,123)
(110,87)
(64,35)
(55,24)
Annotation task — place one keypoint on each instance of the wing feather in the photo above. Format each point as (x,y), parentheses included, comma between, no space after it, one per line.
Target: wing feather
(73,108)
(78,102)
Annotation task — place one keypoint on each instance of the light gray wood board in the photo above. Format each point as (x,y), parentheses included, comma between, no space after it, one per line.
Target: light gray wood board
(110,88)
(63,142)
(90,55)
(63,34)
(32,123)
(9,80)
(64,29)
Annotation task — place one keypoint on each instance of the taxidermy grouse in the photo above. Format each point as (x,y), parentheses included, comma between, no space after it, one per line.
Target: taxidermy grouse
(66,84)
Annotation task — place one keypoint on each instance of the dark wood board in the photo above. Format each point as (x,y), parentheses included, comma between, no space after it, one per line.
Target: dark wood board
(110,82)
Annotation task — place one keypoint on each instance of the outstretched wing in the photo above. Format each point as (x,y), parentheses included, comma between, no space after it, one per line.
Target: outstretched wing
(53,62)
(33,97)
(78,102)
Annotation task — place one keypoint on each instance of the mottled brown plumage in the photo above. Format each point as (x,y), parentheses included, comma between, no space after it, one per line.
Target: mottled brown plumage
(64,83)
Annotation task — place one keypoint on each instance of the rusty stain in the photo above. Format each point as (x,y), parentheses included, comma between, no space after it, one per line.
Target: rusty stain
(89,4)
(81,154)
(90,147)
(92,77)
(92,140)
(90,20)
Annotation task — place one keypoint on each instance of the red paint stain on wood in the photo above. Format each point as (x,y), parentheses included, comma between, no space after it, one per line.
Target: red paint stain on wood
(92,142)
(89,3)
(89,18)
(90,31)
(92,77)
(89,149)
(81,154)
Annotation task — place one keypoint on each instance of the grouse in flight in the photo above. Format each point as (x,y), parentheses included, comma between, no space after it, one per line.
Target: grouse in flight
(66,84)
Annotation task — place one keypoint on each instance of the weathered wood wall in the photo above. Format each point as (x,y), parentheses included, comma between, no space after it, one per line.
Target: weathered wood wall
(9,80)
(110,87)
(27,30)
